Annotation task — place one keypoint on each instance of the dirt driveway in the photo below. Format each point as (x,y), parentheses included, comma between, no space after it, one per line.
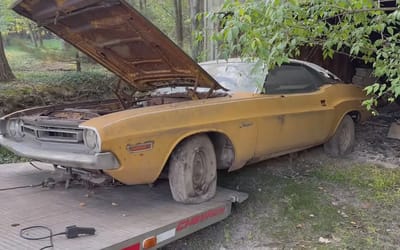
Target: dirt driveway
(309,200)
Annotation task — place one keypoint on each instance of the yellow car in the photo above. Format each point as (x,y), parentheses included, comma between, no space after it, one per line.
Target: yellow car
(179,118)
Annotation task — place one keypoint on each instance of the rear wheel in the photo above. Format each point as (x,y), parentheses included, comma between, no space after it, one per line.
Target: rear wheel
(193,170)
(342,142)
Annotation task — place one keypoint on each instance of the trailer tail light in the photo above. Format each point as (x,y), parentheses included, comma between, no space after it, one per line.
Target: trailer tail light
(164,237)
(150,242)
(133,247)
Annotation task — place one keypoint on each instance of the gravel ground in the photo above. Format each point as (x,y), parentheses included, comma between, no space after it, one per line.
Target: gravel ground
(372,142)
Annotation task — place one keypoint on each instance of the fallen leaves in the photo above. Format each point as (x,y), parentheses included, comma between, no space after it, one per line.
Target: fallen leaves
(328,239)
(324,240)
(299,226)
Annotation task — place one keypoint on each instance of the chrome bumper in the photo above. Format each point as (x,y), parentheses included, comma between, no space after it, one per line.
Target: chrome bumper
(98,161)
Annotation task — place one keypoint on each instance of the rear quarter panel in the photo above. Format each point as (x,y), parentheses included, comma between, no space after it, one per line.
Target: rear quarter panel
(345,98)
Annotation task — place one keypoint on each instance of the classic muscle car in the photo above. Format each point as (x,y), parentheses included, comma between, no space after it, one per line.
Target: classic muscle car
(180,118)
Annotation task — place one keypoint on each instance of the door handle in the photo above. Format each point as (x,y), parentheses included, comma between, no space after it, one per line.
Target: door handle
(323,102)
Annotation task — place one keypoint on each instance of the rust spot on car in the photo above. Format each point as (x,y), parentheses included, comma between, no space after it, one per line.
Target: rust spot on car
(246,124)
(281,119)
(140,147)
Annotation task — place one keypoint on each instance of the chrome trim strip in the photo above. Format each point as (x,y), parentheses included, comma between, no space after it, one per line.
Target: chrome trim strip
(40,132)
(97,161)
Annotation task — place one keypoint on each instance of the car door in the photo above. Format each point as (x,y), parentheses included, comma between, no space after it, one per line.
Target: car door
(303,113)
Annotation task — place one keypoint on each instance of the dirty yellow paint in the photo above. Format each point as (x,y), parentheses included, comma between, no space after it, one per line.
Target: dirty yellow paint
(259,126)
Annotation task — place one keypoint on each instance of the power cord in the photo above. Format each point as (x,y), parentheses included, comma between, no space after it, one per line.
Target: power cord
(50,236)
(70,232)
(21,187)
(49,182)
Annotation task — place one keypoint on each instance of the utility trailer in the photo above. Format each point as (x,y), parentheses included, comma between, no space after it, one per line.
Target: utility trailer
(124,217)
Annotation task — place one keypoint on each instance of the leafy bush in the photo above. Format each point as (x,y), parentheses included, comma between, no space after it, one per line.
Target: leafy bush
(47,88)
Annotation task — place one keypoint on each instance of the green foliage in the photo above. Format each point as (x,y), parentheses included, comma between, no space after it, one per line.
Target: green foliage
(53,44)
(72,78)
(9,20)
(162,14)
(8,157)
(275,30)
(47,88)
(6,16)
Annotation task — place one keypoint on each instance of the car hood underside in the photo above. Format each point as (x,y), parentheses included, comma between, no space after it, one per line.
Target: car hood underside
(117,36)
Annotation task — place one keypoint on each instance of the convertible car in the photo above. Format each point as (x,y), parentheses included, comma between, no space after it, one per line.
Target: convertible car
(171,115)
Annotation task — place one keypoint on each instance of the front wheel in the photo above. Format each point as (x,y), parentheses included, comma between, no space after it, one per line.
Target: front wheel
(342,142)
(193,170)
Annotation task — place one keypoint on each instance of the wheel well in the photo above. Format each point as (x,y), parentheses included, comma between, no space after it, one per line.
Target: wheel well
(224,150)
(355,115)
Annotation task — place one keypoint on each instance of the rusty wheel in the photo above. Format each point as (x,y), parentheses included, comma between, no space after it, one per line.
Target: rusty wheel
(342,142)
(192,170)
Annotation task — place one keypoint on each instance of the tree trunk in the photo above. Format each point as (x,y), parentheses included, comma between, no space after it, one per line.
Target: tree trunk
(32,35)
(40,37)
(78,62)
(142,5)
(179,22)
(196,7)
(5,70)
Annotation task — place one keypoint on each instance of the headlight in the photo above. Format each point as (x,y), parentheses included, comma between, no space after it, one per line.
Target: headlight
(91,139)
(14,128)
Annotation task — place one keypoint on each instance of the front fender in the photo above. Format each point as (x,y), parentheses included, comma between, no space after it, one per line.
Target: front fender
(145,167)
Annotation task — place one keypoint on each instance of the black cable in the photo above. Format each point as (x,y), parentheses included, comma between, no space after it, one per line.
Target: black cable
(34,166)
(21,187)
(50,236)
(71,232)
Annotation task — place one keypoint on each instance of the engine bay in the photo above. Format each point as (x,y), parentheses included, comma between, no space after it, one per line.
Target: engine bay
(126,99)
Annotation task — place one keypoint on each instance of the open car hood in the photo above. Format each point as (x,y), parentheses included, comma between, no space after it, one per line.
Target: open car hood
(117,36)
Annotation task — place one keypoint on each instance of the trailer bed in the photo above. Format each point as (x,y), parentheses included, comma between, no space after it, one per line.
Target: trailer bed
(123,216)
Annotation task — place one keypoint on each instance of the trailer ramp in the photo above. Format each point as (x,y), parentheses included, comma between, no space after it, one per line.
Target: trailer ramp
(125,217)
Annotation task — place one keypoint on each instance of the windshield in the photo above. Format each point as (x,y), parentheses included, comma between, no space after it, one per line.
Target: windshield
(237,76)
(324,72)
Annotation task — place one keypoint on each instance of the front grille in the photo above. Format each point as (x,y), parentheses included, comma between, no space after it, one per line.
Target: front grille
(54,134)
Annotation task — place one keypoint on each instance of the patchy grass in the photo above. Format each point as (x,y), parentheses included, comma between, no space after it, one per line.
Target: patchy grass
(54,44)
(374,183)
(8,157)
(52,57)
(52,50)
(21,60)
(295,205)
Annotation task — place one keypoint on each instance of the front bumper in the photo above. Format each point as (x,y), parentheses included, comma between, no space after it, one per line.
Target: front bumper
(98,161)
